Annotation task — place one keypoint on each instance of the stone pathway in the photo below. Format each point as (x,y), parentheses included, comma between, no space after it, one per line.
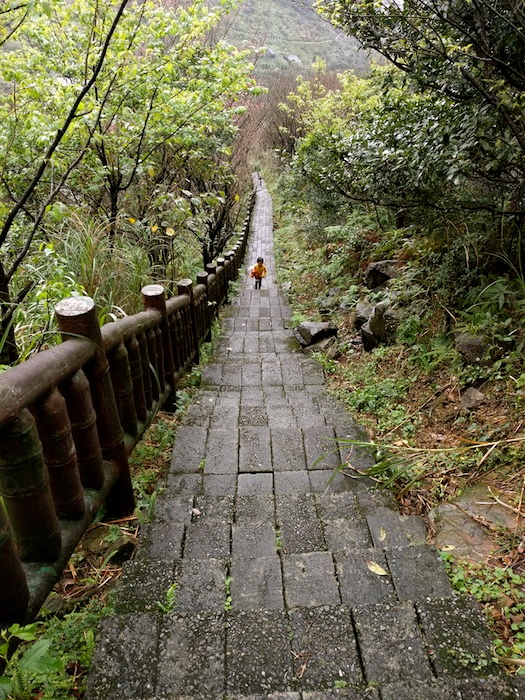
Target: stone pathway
(265,573)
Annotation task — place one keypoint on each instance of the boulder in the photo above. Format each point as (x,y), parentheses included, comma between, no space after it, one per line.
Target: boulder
(310,332)
(471,399)
(381,326)
(474,348)
(379,273)
(363,311)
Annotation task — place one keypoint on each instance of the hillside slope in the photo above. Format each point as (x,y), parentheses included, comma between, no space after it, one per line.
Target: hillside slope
(293,35)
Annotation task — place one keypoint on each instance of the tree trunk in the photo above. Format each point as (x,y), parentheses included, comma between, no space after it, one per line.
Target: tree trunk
(8,349)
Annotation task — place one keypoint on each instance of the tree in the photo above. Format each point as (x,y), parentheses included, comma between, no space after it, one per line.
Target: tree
(470,53)
(139,100)
(29,155)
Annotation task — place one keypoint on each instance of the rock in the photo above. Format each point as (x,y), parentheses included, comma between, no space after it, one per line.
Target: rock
(471,399)
(363,311)
(380,327)
(286,287)
(270,53)
(379,273)
(326,345)
(292,58)
(474,348)
(310,332)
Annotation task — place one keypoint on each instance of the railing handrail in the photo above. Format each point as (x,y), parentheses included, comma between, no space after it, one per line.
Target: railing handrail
(70,416)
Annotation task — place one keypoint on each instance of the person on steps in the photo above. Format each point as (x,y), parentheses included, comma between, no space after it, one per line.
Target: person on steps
(258,271)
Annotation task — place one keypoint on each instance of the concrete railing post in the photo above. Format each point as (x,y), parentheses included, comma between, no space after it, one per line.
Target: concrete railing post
(154,297)
(77,316)
(185,286)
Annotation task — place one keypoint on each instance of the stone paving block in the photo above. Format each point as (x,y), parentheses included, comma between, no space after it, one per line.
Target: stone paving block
(188,450)
(200,585)
(266,340)
(334,506)
(192,662)
(281,418)
(287,449)
(161,541)
(224,416)
(144,584)
(272,392)
(197,414)
(255,484)
(271,372)
(256,583)
(291,482)
(295,507)
(457,636)
(346,534)
(253,415)
(215,507)
(228,397)
(359,583)
(222,451)
(207,539)
(312,372)
(133,638)
(418,573)
(371,500)
(218,484)
(347,694)
(489,689)
(254,449)
(420,690)
(325,481)
(255,508)
(309,580)
(311,421)
(292,373)
(324,648)
(252,376)
(170,509)
(265,324)
(258,652)
(390,529)
(211,374)
(253,539)
(321,448)
(251,343)
(236,340)
(251,396)
(184,484)
(383,628)
(301,535)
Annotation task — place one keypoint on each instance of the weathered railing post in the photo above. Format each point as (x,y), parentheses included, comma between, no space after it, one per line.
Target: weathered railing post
(54,428)
(24,487)
(14,593)
(213,290)
(77,316)
(202,278)
(154,297)
(84,429)
(221,281)
(185,286)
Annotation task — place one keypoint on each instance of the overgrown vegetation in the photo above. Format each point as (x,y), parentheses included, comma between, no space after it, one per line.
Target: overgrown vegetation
(397,166)
(119,125)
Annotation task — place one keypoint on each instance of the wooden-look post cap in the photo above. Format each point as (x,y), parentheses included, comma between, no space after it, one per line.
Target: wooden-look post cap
(152,290)
(74,306)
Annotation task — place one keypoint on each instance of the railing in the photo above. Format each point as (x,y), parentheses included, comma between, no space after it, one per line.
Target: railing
(71,415)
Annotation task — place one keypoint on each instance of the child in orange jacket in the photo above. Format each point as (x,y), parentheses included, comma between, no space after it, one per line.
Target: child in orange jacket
(258,271)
